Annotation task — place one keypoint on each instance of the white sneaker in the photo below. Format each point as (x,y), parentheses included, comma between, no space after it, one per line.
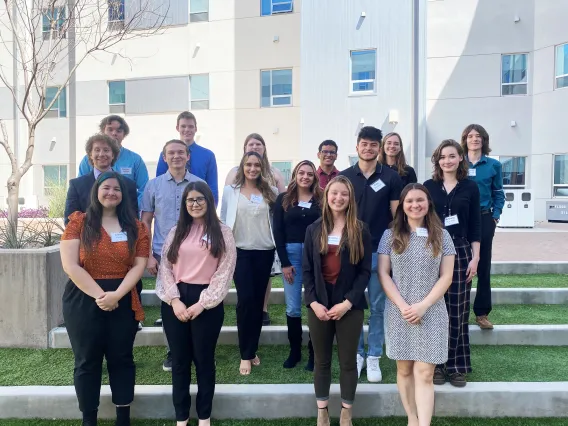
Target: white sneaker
(360,363)
(373,370)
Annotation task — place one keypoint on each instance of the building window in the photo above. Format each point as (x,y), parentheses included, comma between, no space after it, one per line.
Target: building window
(562,66)
(514,74)
(285,168)
(514,171)
(363,71)
(198,10)
(276,88)
(53,176)
(115,14)
(53,19)
(116,96)
(560,184)
(199,91)
(59,107)
(272,7)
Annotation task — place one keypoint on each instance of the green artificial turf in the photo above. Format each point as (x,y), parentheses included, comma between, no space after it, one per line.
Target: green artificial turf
(26,367)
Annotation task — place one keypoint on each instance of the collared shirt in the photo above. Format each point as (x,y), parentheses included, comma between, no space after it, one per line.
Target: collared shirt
(373,198)
(324,178)
(97,173)
(489,179)
(202,163)
(162,197)
(128,164)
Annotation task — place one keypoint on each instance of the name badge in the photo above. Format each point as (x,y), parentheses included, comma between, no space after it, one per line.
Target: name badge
(451,220)
(378,185)
(304,204)
(333,240)
(256,199)
(472,172)
(118,237)
(126,170)
(422,232)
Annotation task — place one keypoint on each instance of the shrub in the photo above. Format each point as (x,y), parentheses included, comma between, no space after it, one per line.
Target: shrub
(34,233)
(57,196)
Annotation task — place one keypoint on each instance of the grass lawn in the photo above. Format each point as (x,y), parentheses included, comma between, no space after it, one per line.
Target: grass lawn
(26,367)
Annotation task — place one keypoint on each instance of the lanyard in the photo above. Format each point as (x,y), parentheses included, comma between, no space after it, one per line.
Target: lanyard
(453,192)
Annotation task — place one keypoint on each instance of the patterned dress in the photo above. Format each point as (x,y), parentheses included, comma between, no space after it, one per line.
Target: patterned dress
(415,272)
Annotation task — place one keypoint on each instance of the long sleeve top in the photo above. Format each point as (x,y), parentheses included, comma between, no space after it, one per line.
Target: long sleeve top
(488,174)
(290,226)
(409,177)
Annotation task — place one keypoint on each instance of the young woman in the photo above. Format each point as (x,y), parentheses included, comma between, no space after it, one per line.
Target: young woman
(456,200)
(336,270)
(420,254)
(255,143)
(247,209)
(104,251)
(294,211)
(198,262)
(392,155)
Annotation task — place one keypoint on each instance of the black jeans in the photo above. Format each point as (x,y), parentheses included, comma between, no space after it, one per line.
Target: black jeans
(482,304)
(193,341)
(96,334)
(251,279)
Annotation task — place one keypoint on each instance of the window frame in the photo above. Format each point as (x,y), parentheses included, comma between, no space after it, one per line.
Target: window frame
(288,176)
(352,82)
(116,24)
(514,186)
(556,77)
(46,35)
(194,16)
(116,107)
(526,84)
(559,185)
(278,2)
(46,188)
(56,105)
(272,97)
(208,99)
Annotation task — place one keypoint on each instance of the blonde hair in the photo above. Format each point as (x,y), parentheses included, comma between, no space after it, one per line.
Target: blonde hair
(262,182)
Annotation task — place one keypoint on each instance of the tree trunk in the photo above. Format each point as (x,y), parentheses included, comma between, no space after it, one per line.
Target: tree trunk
(13,191)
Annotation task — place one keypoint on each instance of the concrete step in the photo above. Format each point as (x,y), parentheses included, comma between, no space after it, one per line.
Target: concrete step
(499,296)
(531,335)
(498,399)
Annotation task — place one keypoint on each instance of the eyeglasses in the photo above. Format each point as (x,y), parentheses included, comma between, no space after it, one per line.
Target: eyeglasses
(325,152)
(191,201)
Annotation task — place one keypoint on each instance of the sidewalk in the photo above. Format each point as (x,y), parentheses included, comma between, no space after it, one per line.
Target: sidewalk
(544,242)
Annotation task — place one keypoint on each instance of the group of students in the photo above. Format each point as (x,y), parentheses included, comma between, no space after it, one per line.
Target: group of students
(414,248)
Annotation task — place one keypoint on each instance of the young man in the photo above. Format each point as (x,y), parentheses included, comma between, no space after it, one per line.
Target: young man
(202,161)
(327,154)
(487,173)
(128,162)
(162,202)
(377,192)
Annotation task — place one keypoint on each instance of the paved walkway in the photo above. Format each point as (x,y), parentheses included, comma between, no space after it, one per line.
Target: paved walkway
(546,241)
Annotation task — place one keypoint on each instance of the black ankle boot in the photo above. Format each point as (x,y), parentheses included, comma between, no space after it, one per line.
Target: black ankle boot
(90,418)
(122,416)
(295,339)
(310,365)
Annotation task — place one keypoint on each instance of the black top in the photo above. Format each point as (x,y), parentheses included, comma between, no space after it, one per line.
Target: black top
(373,207)
(290,226)
(352,280)
(463,201)
(409,177)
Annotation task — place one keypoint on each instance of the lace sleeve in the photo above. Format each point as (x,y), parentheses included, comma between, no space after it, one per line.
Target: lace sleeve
(166,288)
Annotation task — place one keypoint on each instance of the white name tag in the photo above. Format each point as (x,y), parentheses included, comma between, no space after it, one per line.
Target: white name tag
(304,204)
(422,232)
(472,172)
(378,185)
(126,170)
(118,237)
(256,199)
(333,240)
(451,220)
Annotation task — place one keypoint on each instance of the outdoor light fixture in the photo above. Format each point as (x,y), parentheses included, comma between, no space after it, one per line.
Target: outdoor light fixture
(393,116)
(513,123)
(276,39)
(53,142)
(517,18)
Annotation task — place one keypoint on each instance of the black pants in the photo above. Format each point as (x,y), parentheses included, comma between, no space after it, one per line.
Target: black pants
(96,334)
(193,341)
(482,303)
(251,279)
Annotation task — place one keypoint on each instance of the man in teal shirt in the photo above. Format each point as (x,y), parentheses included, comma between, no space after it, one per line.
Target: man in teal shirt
(487,173)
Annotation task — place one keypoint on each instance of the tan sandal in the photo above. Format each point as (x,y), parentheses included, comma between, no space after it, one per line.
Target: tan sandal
(255,361)
(246,369)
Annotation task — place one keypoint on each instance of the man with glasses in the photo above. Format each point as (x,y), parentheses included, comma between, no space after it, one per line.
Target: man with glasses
(162,202)
(327,154)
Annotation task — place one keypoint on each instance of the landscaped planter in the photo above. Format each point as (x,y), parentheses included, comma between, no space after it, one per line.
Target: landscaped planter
(31,286)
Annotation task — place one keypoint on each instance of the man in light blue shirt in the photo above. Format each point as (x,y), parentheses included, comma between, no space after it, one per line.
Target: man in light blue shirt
(129,163)
(202,162)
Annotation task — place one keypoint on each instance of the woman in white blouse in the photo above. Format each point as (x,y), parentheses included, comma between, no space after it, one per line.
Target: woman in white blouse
(198,261)
(246,208)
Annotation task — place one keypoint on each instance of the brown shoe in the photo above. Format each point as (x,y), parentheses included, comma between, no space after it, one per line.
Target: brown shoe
(458,380)
(439,376)
(345,417)
(483,322)
(323,417)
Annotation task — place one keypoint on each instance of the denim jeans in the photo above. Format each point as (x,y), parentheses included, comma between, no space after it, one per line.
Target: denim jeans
(377,296)
(293,292)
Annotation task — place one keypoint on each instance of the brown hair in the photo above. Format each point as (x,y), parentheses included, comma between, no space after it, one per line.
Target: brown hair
(174,141)
(437,173)
(186,115)
(109,119)
(353,229)
(401,229)
(485,150)
(101,137)
(291,196)
(262,182)
(400,161)
(264,158)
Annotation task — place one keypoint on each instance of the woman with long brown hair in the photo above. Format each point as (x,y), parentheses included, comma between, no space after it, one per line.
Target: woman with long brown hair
(336,271)
(247,209)
(420,254)
(294,211)
(391,154)
(456,200)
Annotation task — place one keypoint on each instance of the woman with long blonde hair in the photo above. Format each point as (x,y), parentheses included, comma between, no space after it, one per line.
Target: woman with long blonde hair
(391,154)
(336,271)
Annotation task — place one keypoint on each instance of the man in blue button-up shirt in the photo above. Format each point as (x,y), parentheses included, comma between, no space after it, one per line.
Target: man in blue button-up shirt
(202,161)
(487,173)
